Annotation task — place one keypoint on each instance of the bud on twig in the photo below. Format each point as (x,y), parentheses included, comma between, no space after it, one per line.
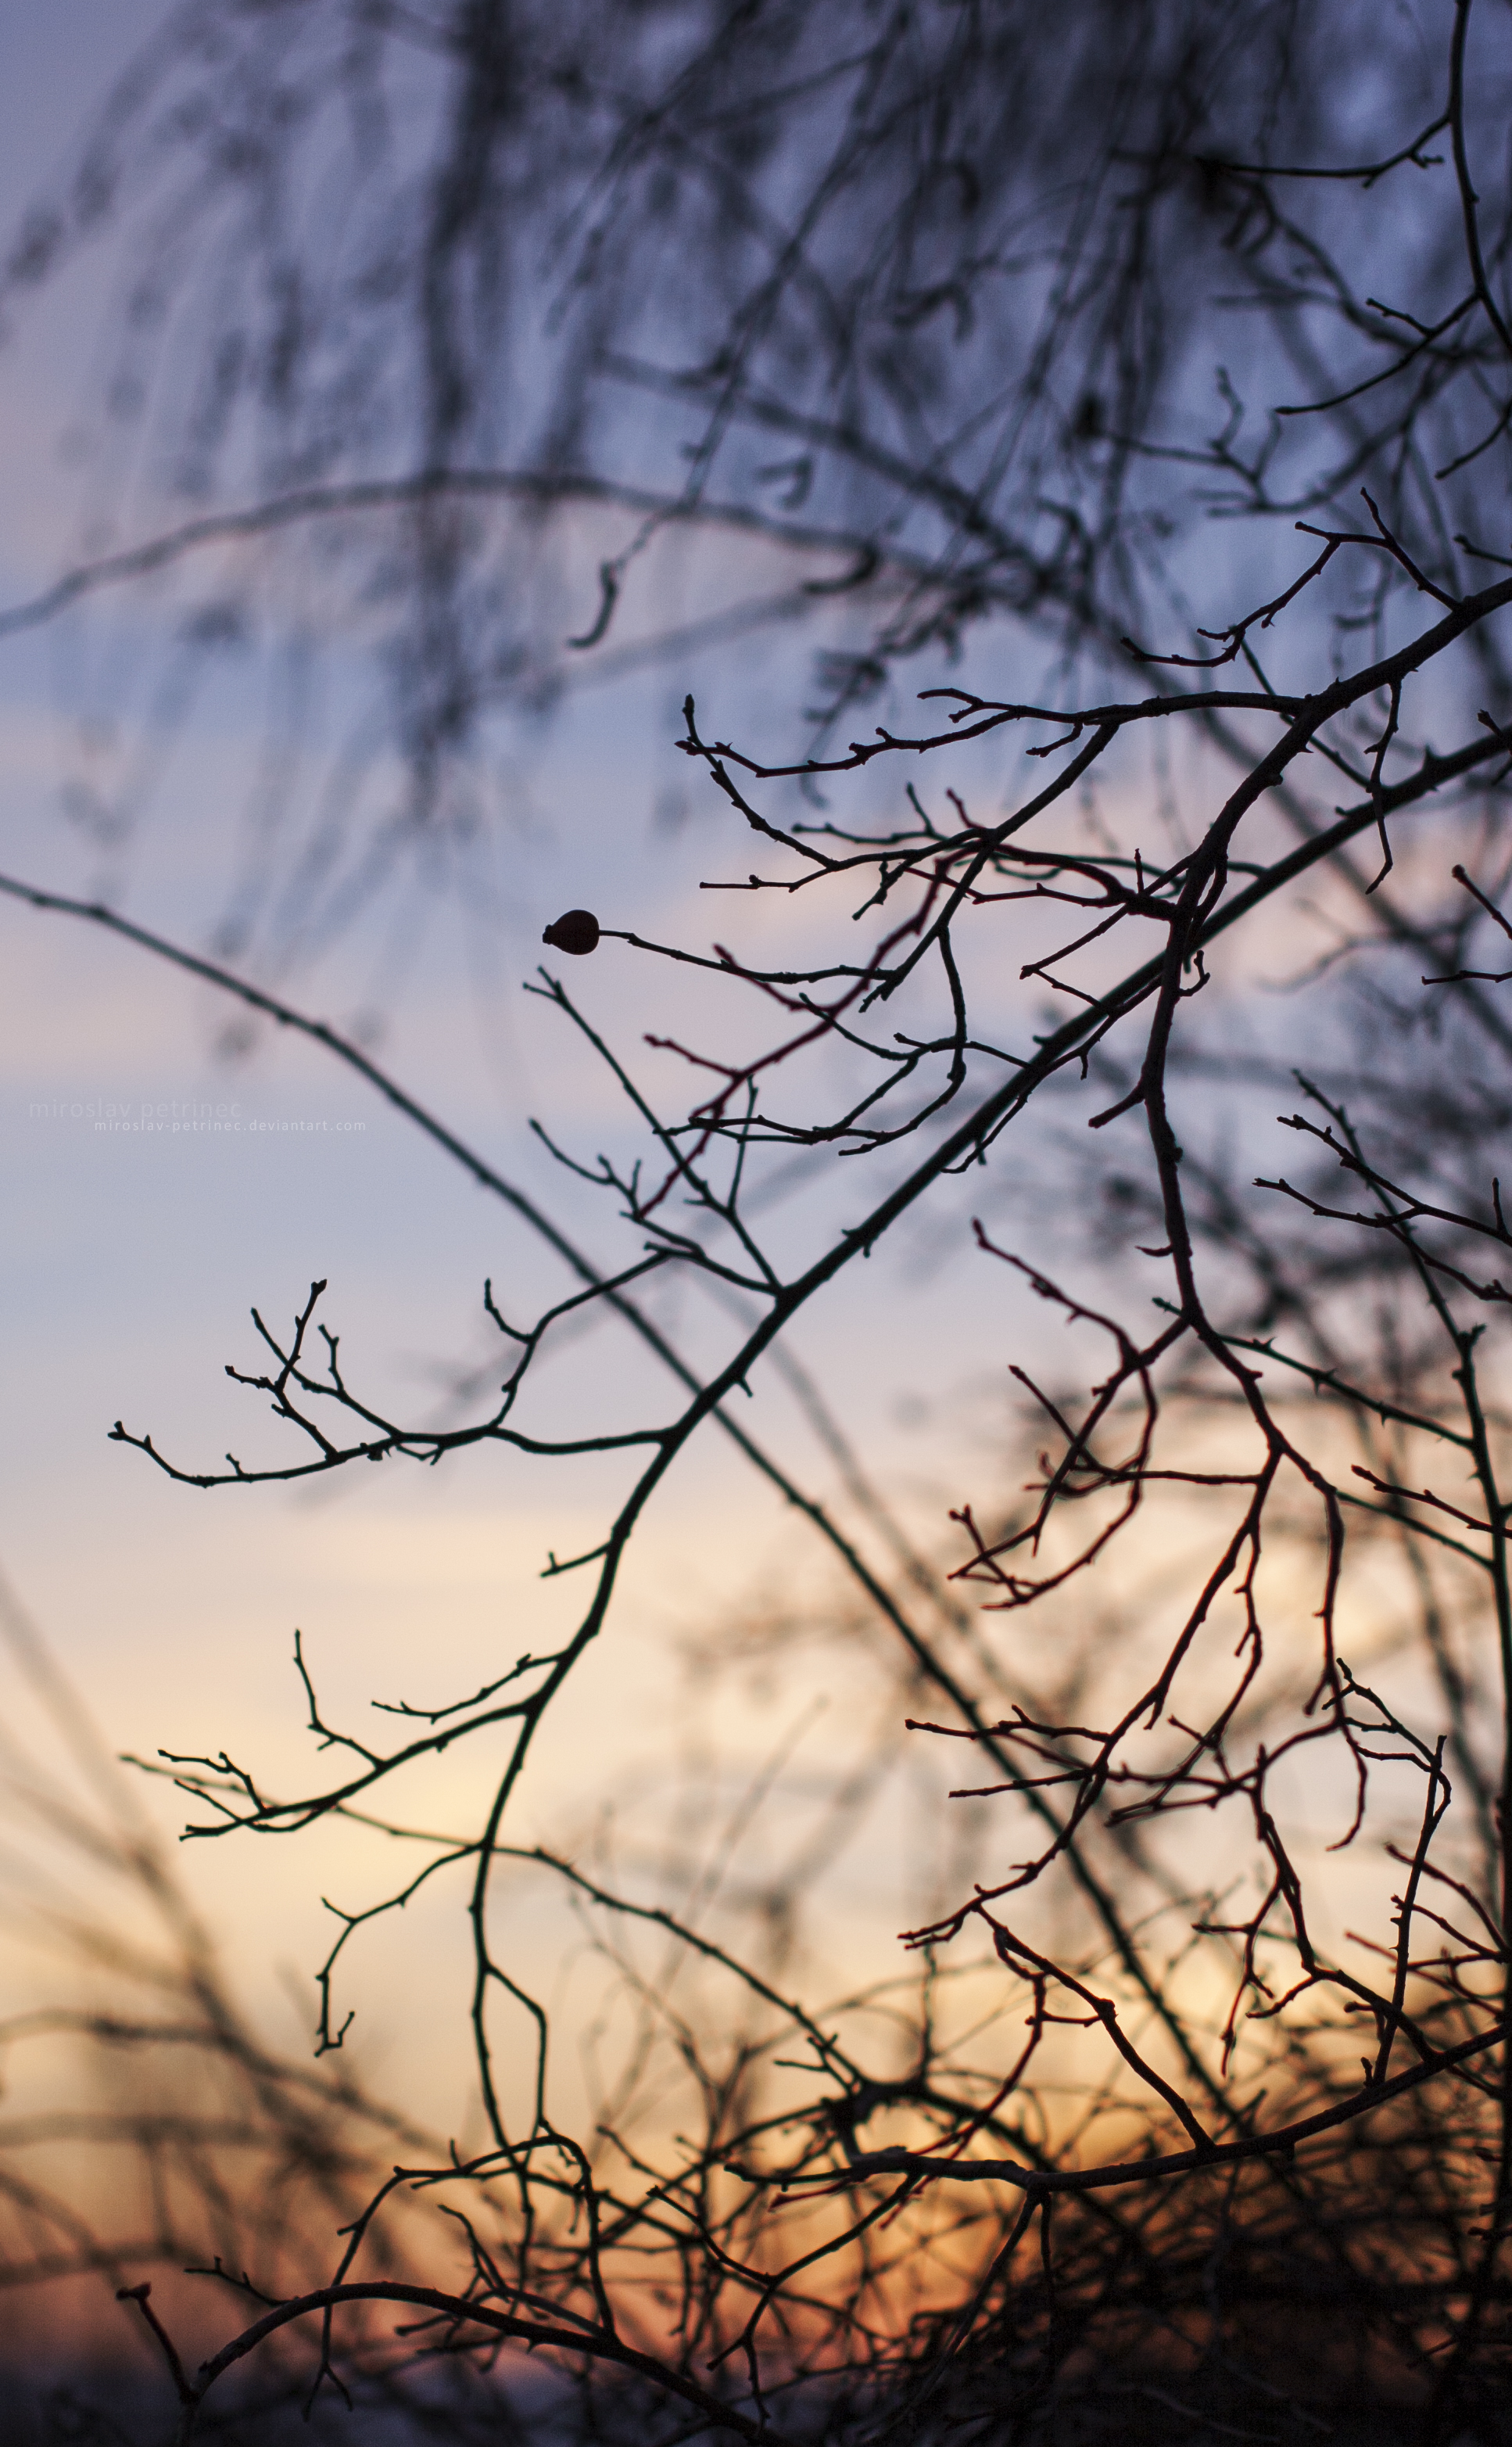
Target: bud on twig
(577,932)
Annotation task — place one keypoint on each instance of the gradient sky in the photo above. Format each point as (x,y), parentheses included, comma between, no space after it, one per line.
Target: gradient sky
(132,1260)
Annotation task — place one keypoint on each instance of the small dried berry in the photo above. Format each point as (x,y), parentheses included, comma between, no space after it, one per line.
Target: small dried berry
(577,932)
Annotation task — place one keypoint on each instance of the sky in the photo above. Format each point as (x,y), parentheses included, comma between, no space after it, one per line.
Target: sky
(135,1254)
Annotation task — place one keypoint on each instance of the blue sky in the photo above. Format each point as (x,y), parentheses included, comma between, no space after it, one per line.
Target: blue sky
(134,1256)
